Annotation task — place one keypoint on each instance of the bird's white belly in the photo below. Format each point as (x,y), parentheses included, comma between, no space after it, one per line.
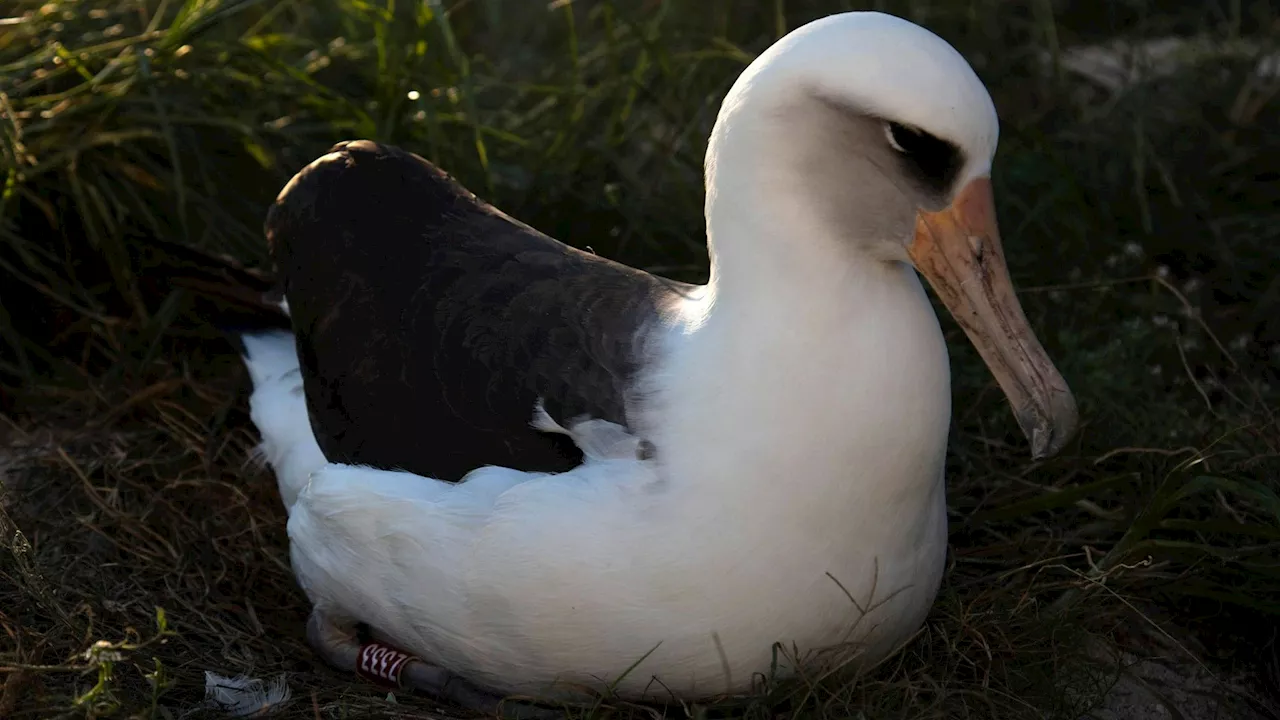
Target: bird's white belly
(578,580)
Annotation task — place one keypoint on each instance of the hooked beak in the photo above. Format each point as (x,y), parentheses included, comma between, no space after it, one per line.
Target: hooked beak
(958,251)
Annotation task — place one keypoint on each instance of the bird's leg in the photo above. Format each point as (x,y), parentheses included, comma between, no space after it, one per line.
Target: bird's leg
(384,665)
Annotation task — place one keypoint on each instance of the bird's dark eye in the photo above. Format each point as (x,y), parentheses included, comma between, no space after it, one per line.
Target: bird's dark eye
(934,161)
(902,138)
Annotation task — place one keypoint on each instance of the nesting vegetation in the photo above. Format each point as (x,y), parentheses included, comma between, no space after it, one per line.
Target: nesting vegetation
(141,545)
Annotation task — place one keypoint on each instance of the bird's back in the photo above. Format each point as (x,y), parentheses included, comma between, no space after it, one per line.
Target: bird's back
(430,325)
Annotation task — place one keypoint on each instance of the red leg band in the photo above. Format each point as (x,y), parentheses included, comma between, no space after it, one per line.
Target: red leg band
(382,664)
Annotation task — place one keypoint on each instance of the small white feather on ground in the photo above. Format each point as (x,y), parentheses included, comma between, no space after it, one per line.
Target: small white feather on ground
(243,696)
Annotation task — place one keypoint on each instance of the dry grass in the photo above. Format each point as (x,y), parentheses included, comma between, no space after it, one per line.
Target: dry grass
(140,545)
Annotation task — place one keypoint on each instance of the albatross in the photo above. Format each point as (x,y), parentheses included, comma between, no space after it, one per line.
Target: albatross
(511,466)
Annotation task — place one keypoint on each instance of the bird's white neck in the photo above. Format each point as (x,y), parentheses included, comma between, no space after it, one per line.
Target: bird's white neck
(805,361)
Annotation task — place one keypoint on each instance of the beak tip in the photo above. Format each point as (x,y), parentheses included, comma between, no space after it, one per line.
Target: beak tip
(1040,444)
(1049,432)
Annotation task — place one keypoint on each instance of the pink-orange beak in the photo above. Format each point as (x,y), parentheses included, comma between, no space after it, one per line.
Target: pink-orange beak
(958,251)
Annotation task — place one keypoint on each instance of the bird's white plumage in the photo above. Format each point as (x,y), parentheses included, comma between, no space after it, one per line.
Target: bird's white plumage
(278,408)
(880,65)
(800,415)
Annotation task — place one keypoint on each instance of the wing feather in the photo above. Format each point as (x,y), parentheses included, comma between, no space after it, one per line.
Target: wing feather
(430,324)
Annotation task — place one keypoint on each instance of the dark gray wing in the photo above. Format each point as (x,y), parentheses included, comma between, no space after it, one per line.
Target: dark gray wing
(429,324)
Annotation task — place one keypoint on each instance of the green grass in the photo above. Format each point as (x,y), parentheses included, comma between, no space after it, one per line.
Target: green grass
(1143,231)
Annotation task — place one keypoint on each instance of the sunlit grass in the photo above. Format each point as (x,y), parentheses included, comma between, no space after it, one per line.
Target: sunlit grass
(1142,229)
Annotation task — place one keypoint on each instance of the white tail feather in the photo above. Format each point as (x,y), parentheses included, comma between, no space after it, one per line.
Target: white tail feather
(278,407)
